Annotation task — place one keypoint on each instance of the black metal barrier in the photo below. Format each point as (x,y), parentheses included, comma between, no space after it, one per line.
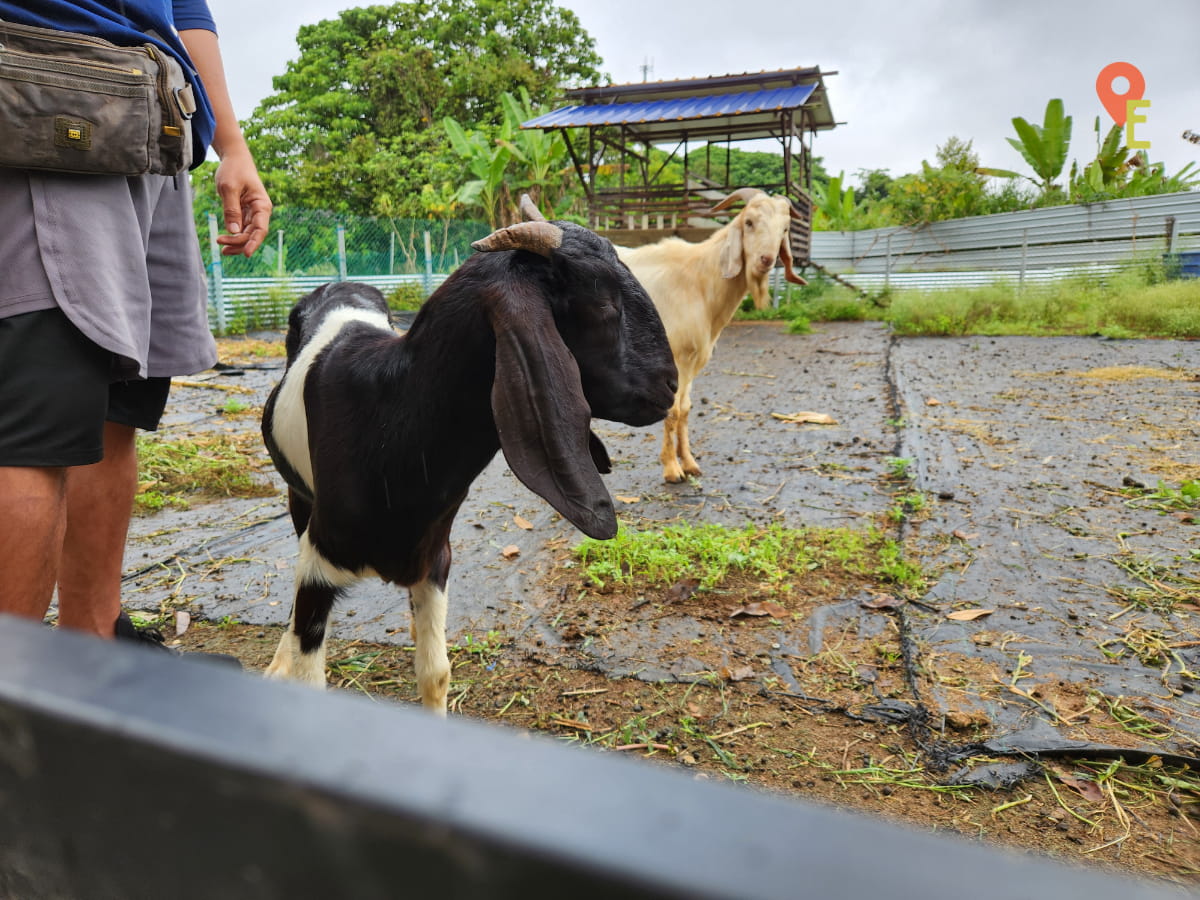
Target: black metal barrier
(125,773)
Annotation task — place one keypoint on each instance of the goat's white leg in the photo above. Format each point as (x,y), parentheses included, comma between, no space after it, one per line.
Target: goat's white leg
(672,471)
(428,602)
(293,664)
(300,655)
(682,441)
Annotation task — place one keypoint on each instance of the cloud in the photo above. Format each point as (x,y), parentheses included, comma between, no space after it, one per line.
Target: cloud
(909,76)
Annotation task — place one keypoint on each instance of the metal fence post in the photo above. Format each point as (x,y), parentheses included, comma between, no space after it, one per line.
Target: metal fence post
(1024,256)
(428,266)
(887,268)
(216,282)
(341,239)
(392,252)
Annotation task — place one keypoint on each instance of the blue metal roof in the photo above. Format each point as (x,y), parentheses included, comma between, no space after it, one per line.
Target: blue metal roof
(678,110)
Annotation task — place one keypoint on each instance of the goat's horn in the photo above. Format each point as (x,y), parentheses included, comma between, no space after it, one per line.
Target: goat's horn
(729,199)
(530,211)
(536,237)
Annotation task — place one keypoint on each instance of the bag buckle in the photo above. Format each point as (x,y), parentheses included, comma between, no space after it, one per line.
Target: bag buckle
(185,100)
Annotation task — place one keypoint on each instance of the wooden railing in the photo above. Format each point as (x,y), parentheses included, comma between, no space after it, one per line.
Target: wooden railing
(643,214)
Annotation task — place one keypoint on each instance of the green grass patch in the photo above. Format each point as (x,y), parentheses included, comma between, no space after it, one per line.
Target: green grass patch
(1134,303)
(172,471)
(712,553)
(821,300)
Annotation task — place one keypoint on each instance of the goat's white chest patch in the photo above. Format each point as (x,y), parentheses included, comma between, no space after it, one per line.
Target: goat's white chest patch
(289,426)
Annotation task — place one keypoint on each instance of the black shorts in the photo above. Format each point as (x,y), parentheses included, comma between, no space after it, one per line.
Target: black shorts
(56,393)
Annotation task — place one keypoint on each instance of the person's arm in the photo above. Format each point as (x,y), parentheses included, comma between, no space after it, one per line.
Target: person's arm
(247,208)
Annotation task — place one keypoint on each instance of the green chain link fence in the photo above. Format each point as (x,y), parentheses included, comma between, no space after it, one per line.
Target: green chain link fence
(405,258)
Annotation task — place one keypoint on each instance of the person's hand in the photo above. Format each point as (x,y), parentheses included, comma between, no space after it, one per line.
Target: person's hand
(247,208)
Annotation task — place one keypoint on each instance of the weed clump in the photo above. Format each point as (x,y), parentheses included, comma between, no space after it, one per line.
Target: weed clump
(710,553)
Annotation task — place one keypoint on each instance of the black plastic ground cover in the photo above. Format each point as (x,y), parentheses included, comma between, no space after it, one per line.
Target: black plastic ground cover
(1026,449)
(128,774)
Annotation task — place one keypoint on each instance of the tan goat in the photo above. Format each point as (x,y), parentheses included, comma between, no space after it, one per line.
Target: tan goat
(698,287)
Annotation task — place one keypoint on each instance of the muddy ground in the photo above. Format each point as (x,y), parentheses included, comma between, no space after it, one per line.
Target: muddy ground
(1040,691)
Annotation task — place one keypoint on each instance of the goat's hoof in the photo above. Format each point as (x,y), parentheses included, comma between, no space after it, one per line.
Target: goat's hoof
(674,476)
(693,470)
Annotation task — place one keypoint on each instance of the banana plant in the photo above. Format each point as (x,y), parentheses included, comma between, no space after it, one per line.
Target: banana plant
(1107,174)
(542,154)
(487,160)
(1044,147)
(835,204)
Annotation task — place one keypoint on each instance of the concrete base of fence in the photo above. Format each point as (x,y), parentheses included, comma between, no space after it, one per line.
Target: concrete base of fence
(125,773)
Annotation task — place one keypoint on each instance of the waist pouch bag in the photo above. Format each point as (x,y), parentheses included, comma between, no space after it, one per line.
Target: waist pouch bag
(75,103)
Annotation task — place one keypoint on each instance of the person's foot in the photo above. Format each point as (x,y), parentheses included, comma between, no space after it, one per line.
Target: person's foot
(125,630)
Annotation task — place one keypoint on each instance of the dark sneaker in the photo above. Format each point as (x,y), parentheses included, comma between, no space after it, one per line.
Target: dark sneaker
(151,637)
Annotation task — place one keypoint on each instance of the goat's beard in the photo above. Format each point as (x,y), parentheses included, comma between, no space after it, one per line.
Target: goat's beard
(760,290)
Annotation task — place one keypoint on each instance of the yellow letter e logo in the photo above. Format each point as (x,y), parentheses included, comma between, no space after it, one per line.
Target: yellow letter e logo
(1131,119)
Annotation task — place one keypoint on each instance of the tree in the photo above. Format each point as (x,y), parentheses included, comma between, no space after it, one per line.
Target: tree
(355,123)
(953,189)
(875,184)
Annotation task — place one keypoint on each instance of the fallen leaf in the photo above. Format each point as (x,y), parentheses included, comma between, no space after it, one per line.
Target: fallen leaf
(682,590)
(932,401)
(1088,789)
(626,499)
(805,418)
(963,536)
(521,522)
(1186,518)
(512,551)
(968,615)
(884,601)
(182,620)
(742,673)
(759,608)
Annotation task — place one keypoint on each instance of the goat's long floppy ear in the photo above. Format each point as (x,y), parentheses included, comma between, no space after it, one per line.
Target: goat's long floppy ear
(599,454)
(785,253)
(731,253)
(543,418)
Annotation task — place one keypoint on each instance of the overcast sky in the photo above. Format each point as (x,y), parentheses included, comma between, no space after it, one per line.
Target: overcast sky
(910,74)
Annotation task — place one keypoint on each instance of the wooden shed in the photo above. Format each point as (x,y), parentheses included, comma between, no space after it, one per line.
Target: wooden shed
(615,126)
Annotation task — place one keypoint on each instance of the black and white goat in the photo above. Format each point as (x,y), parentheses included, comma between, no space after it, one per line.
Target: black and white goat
(379,435)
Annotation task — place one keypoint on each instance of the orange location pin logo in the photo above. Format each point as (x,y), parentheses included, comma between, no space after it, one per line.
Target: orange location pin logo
(1118,104)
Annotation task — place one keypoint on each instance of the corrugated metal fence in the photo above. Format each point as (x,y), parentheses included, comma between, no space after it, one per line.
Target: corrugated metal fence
(235,304)
(1032,245)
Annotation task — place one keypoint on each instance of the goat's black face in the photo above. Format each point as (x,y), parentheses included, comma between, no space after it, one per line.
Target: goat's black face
(611,327)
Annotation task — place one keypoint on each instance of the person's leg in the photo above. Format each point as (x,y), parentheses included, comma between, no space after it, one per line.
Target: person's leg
(53,397)
(99,505)
(32,522)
